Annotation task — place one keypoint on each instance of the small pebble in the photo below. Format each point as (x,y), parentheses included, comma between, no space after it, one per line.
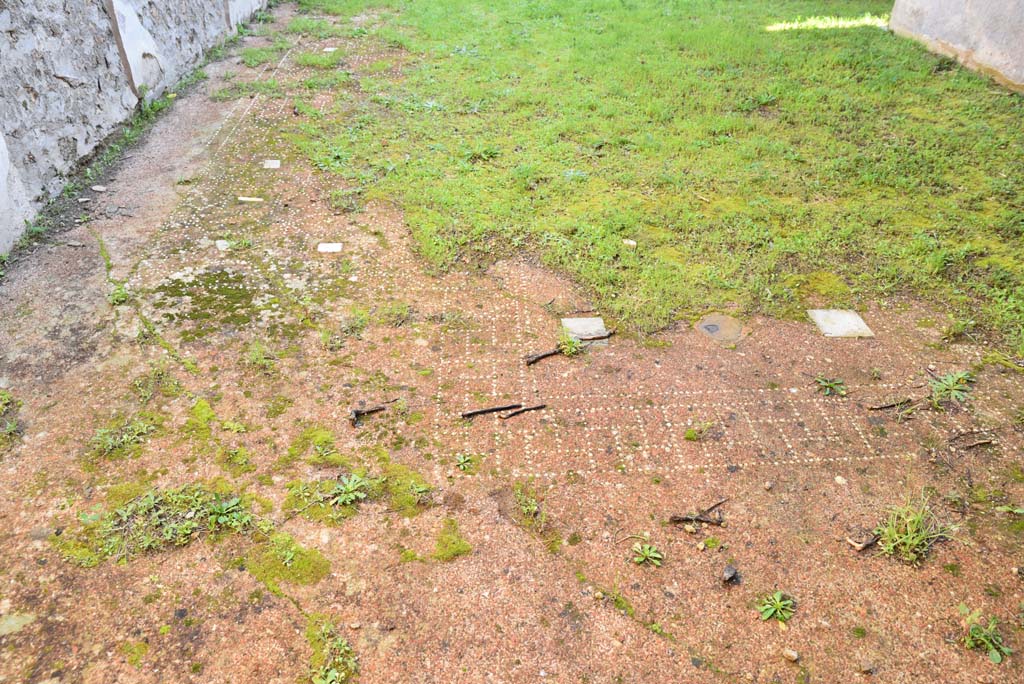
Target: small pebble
(730,575)
(99,188)
(866,667)
(840,480)
(598,595)
(629,243)
(790,655)
(690,528)
(768,486)
(354,625)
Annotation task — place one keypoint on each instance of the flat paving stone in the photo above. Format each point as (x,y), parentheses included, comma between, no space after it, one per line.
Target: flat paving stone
(592,326)
(720,327)
(271,163)
(329,247)
(840,323)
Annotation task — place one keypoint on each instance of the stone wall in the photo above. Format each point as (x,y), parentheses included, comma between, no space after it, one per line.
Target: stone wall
(71,72)
(986,35)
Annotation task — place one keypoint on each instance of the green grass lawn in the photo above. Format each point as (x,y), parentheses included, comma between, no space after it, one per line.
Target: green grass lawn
(758,159)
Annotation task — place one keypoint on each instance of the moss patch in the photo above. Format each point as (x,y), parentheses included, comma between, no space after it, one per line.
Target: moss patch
(283,560)
(450,544)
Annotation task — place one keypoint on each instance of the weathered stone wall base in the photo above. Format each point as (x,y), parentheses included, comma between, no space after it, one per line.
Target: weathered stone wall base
(72,71)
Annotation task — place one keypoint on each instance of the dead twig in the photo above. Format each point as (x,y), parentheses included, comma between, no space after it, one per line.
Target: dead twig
(702,517)
(980,442)
(534,358)
(357,413)
(517,412)
(493,409)
(894,404)
(860,546)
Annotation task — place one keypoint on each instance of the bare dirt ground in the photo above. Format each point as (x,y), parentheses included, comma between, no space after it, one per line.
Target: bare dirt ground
(607,458)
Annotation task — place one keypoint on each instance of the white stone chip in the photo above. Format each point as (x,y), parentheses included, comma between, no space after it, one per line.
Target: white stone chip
(99,188)
(628,242)
(330,49)
(223,245)
(249,199)
(329,247)
(271,163)
(587,327)
(840,323)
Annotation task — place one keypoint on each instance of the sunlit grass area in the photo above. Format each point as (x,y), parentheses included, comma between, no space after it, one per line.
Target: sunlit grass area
(757,165)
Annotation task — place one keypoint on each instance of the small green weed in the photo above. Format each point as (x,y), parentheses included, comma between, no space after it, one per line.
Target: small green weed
(984,635)
(909,531)
(830,387)
(776,606)
(568,344)
(119,295)
(647,554)
(696,432)
(954,387)
(257,356)
(124,439)
(333,661)
(394,314)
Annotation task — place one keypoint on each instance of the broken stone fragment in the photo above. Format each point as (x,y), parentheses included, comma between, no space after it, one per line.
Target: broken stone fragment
(99,188)
(730,575)
(840,323)
(790,655)
(242,198)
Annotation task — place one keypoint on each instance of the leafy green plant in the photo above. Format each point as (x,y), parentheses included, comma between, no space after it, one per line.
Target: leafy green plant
(123,439)
(355,322)
(568,344)
(696,432)
(465,462)
(984,635)
(830,387)
(119,295)
(954,387)
(776,606)
(349,490)
(647,554)
(394,314)
(334,661)
(259,357)
(909,531)
(152,521)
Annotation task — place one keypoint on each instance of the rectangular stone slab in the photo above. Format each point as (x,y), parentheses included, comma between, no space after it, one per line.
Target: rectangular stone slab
(840,323)
(329,247)
(586,327)
(271,163)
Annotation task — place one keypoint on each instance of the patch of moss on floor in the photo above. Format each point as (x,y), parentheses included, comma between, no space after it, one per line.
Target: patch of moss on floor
(134,652)
(283,560)
(237,461)
(320,441)
(450,543)
(10,429)
(199,425)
